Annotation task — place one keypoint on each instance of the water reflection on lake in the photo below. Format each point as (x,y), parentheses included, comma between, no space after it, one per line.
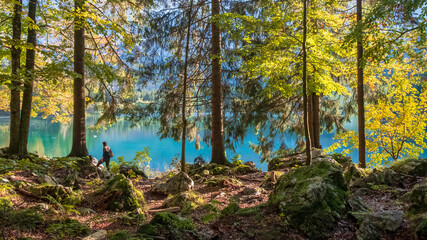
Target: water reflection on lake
(54,139)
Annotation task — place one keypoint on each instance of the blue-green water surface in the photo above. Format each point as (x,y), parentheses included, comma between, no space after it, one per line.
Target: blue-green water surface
(54,139)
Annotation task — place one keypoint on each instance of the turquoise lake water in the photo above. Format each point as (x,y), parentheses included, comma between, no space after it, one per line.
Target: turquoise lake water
(54,139)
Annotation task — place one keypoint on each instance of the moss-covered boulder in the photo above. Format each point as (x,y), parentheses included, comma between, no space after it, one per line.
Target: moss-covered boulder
(119,194)
(132,171)
(418,225)
(352,173)
(212,168)
(418,198)
(64,195)
(416,167)
(222,182)
(385,176)
(294,160)
(169,226)
(181,182)
(418,209)
(311,198)
(187,201)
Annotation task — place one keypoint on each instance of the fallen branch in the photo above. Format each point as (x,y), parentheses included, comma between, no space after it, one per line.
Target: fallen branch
(27,193)
(251,179)
(104,199)
(171,209)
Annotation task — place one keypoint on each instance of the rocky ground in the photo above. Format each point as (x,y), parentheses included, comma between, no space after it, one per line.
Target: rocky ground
(332,199)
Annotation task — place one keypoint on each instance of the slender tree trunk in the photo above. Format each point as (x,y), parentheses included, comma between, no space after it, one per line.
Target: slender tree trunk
(218,148)
(184,91)
(79,148)
(315,106)
(360,93)
(310,114)
(304,86)
(15,94)
(29,81)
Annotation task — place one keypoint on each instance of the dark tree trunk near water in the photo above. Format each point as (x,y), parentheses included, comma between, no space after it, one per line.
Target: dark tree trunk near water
(315,115)
(15,94)
(29,81)
(218,147)
(304,86)
(360,92)
(184,90)
(79,148)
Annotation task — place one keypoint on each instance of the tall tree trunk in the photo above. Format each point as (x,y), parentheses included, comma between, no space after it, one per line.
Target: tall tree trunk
(15,94)
(360,92)
(184,90)
(28,84)
(79,148)
(218,148)
(304,86)
(310,114)
(315,106)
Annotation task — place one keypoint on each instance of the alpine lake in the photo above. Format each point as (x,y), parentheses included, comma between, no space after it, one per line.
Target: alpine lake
(52,139)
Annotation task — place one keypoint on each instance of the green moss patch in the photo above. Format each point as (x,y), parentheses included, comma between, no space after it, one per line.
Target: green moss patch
(170,226)
(68,229)
(187,201)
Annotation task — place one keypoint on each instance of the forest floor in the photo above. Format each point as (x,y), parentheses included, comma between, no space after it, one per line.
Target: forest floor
(257,223)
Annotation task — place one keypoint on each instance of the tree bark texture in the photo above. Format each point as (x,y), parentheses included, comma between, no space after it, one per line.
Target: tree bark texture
(29,81)
(184,90)
(315,115)
(79,148)
(304,84)
(15,94)
(360,92)
(218,147)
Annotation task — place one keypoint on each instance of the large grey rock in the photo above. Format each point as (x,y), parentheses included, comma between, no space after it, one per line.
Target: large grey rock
(312,198)
(181,182)
(371,223)
(99,235)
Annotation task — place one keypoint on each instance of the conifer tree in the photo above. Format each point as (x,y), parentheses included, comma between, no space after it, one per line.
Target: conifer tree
(218,147)
(79,148)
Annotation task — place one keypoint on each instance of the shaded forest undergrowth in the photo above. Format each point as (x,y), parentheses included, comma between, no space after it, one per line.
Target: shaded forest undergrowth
(67,198)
